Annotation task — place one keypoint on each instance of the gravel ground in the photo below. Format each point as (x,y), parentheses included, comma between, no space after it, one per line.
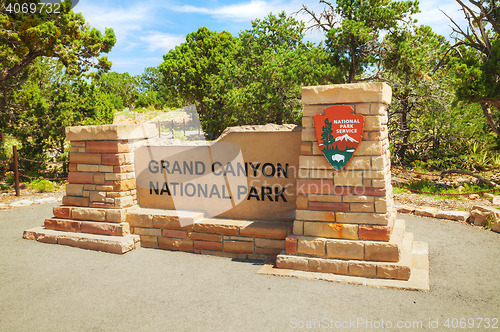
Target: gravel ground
(57,288)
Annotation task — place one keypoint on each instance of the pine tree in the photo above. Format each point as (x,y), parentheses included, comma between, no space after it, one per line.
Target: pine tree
(327,134)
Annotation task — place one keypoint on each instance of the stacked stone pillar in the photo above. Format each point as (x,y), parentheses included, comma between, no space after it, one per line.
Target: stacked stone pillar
(345,220)
(101,189)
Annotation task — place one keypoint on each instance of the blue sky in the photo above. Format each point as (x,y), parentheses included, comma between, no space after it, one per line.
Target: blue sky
(146,30)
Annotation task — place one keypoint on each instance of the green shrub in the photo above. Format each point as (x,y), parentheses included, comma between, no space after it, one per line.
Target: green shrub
(42,185)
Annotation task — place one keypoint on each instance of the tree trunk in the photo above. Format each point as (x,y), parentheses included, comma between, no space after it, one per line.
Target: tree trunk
(487,113)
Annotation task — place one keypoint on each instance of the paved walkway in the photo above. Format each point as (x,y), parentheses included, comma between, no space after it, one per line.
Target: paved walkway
(57,288)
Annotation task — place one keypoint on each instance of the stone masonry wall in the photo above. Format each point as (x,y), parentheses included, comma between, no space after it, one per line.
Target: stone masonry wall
(355,203)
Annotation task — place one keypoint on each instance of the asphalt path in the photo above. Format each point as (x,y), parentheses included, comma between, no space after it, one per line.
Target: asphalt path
(47,287)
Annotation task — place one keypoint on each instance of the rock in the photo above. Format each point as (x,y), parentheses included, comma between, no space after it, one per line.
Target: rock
(461,189)
(453,215)
(24,202)
(496,200)
(405,209)
(426,212)
(473,197)
(480,215)
(488,196)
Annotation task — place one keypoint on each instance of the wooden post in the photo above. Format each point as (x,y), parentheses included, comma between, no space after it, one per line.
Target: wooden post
(1,135)
(16,171)
(159,129)
(184,126)
(172,128)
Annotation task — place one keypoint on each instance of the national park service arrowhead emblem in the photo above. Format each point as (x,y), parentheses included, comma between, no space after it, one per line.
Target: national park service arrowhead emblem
(339,133)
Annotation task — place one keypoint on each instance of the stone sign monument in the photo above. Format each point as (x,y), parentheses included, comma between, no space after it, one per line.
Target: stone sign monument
(317,198)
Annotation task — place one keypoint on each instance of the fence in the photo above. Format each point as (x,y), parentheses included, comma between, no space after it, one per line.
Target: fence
(191,127)
(16,158)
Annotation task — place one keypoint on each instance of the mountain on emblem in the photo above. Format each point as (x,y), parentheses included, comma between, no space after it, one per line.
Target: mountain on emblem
(339,133)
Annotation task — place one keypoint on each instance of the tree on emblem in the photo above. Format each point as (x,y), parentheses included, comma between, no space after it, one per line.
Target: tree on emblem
(326,134)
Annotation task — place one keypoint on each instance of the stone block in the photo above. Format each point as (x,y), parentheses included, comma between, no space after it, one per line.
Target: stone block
(123,169)
(305,149)
(100,205)
(363,108)
(72,168)
(307,122)
(88,214)
(238,247)
(177,220)
(348,179)
(405,209)
(291,242)
(178,234)
(102,228)
(347,93)
(216,246)
(311,246)
(67,225)
(358,199)
(124,185)
(75,201)
(292,262)
(453,215)
(267,251)
(118,159)
(85,158)
(306,215)
(205,237)
(99,178)
(342,249)
(363,218)
(302,201)
(426,212)
(87,168)
(80,177)
(325,206)
(62,212)
(97,196)
(362,207)
(358,163)
(265,229)
(325,198)
(176,244)
(377,233)
(73,189)
(383,252)
(219,226)
(321,174)
(147,231)
(108,147)
(331,230)
(378,108)
(362,269)
(374,175)
(311,162)
(116,215)
(308,135)
(314,187)
(369,148)
(298,227)
(111,132)
(123,202)
(271,244)
(327,266)
(115,176)
(369,191)
(139,219)
(393,271)
(342,190)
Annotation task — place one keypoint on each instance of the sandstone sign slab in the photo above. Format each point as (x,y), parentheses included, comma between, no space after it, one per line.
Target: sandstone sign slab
(244,175)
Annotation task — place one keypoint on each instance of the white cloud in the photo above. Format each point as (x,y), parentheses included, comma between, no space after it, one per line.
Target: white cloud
(244,11)
(431,13)
(163,41)
(126,22)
